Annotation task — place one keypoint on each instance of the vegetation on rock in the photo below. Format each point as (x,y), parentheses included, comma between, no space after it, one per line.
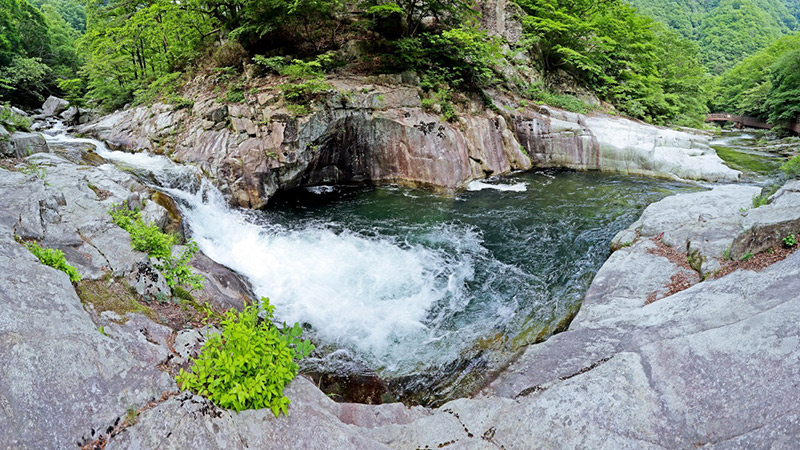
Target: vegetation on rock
(148,238)
(249,363)
(54,258)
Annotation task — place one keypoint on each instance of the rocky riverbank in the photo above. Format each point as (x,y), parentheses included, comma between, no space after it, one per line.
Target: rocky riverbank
(375,130)
(644,364)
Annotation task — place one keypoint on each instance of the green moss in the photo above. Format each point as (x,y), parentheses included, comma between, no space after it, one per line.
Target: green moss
(112,295)
(747,162)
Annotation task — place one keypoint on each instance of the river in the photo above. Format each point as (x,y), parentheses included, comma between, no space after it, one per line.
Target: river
(431,292)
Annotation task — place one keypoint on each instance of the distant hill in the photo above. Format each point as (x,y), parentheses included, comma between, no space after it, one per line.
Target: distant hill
(726,30)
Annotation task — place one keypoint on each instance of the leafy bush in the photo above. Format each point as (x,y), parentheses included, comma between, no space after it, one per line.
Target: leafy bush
(792,166)
(162,86)
(760,200)
(150,239)
(249,364)
(146,238)
(54,258)
(538,93)
(234,95)
(177,272)
(790,241)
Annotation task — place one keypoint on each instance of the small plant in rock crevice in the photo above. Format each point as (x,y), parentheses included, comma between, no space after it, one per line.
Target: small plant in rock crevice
(248,365)
(54,258)
(148,238)
(789,241)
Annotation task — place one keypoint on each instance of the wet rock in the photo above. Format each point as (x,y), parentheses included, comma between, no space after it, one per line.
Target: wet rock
(223,288)
(71,116)
(54,106)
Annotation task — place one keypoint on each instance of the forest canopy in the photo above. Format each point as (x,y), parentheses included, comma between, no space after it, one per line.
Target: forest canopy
(111,53)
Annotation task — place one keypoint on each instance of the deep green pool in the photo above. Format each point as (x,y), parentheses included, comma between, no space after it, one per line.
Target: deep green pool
(433,291)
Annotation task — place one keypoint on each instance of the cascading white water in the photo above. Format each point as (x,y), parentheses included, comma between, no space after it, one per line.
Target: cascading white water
(370,294)
(385,299)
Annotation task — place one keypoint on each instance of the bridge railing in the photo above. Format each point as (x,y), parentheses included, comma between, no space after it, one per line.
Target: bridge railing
(716,117)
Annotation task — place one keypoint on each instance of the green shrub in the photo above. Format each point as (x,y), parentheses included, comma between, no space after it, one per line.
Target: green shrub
(538,93)
(177,271)
(54,258)
(234,96)
(792,166)
(163,86)
(150,239)
(760,200)
(790,241)
(249,364)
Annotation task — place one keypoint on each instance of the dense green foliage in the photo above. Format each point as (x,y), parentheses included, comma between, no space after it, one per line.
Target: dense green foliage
(249,363)
(37,48)
(766,84)
(148,238)
(634,63)
(111,53)
(792,167)
(726,30)
(54,258)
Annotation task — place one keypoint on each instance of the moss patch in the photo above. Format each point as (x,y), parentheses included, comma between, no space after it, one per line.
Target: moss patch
(748,162)
(112,295)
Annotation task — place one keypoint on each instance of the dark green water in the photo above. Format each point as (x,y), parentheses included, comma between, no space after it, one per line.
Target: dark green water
(482,273)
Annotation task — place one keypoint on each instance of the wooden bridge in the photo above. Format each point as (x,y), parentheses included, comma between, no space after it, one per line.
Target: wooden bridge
(740,121)
(752,122)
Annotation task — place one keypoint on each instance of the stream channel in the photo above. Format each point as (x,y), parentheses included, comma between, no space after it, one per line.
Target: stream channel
(432,293)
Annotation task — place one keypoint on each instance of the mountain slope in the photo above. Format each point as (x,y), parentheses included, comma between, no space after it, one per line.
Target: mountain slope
(726,30)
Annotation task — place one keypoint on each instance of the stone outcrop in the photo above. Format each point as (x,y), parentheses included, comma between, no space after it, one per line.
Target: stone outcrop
(714,225)
(767,225)
(20,144)
(374,130)
(54,106)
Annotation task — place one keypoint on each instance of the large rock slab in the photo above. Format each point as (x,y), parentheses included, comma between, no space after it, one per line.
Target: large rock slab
(64,382)
(22,144)
(701,225)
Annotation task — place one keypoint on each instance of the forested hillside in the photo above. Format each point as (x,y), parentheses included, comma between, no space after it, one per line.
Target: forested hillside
(111,53)
(725,30)
(37,48)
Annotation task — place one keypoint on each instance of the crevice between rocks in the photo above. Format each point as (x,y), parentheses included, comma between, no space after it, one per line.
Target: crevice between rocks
(543,387)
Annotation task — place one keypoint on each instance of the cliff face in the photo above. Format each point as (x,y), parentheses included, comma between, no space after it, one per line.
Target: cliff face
(375,130)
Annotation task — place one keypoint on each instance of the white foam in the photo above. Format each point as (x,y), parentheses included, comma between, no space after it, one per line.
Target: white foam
(480,185)
(370,294)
